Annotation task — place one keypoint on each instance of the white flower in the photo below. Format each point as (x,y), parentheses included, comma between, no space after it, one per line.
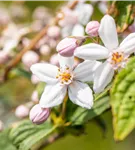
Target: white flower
(73,21)
(116,56)
(78,30)
(84,12)
(66,78)
(12,36)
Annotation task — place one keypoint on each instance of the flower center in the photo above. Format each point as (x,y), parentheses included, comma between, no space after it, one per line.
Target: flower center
(117,57)
(118,60)
(65,75)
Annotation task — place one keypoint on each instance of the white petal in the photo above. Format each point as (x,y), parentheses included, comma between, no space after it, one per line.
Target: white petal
(102,7)
(10,44)
(53,95)
(80,94)
(103,76)
(66,31)
(66,61)
(108,33)
(91,52)
(128,44)
(84,12)
(45,72)
(84,71)
(78,30)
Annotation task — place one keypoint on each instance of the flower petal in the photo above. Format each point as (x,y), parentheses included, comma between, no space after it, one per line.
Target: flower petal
(66,61)
(84,71)
(45,72)
(103,76)
(78,30)
(91,52)
(84,12)
(128,44)
(80,94)
(53,95)
(107,32)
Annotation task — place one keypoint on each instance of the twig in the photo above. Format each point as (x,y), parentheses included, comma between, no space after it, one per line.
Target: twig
(18,57)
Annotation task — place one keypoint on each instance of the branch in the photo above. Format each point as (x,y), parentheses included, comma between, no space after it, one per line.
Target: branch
(18,57)
(32,44)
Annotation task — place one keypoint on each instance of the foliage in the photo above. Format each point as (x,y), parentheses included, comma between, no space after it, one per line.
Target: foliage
(5,143)
(81,116)
(123,12)
(123,100)
(25,135)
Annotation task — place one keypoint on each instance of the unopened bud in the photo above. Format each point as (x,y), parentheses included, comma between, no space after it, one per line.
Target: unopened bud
(53,31)
(30,58)
(92,28)
(54,60)
(34,97)
(67,46)
(45,49)
(22,111)
(34,79)
(39,115)
(3,57)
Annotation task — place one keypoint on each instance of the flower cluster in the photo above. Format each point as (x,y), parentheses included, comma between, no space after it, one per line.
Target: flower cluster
(99,65)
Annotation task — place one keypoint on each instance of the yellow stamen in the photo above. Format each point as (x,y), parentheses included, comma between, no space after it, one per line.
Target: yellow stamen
(117,57)
(64,76)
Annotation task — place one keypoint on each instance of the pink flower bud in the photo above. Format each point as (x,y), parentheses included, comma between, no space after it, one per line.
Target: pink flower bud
(25,41)
(39,115)
(30,58)
(67,46)
(53,31)
(52,43)
(45,49)
(34,97)
(54,60)
(3,57)
(34,79)
(22,111)
(67,17)
(92,28)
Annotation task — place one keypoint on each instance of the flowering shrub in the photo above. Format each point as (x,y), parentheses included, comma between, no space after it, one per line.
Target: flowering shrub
(76,75)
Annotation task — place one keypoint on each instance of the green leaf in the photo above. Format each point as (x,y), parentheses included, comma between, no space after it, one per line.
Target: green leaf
(123,101)
(17,72)
(81,115)
(26,135)
(5,143)
(123,12)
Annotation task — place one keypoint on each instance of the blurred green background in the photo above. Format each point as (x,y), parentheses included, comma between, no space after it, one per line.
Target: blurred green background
(19,90)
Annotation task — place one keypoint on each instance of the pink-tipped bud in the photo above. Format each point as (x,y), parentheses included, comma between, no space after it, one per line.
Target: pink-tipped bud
(3,57)
(53,31)
(45,49)
(67,46)
(54,59)
(39,115)
(22,111)
(30,58)
(92,28)
(34,97)
(34,79)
